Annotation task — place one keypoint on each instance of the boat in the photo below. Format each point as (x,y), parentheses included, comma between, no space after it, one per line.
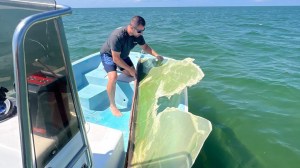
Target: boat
(54,113)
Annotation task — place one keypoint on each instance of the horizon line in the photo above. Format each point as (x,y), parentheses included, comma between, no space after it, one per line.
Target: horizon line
(186,6)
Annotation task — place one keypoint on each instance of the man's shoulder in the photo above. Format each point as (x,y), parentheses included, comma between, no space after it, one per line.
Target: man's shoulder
(119,32)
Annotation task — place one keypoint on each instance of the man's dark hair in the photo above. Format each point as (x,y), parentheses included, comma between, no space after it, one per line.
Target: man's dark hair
(137,20)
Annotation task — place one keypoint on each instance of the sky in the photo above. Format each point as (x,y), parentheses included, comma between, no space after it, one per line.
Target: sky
(173,3)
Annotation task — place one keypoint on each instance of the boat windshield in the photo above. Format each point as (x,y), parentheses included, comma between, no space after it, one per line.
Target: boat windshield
(51,107)
(11,13)
(52,113)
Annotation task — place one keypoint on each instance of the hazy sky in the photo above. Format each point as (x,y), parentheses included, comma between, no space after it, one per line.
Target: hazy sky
(174,3)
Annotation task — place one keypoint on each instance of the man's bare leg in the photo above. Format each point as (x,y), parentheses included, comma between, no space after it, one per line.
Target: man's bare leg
(111,90)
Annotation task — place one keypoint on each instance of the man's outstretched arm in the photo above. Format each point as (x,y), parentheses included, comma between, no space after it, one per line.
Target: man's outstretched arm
(149,50)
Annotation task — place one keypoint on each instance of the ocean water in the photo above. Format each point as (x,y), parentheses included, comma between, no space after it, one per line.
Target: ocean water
(251,60)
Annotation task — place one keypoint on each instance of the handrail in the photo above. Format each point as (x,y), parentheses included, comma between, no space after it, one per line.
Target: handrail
(20,79)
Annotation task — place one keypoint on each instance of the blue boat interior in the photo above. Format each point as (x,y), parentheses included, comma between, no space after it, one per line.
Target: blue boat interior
(91,80)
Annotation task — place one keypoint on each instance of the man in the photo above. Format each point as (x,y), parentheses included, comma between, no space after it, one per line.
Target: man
(115,53)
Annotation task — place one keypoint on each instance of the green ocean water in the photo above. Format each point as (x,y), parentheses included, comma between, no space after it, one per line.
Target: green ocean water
(251,60)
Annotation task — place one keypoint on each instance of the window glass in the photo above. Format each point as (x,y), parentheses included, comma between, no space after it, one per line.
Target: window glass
(11,13)
(52,112)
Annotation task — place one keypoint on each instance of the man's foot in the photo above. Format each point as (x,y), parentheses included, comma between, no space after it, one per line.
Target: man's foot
(116,112)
